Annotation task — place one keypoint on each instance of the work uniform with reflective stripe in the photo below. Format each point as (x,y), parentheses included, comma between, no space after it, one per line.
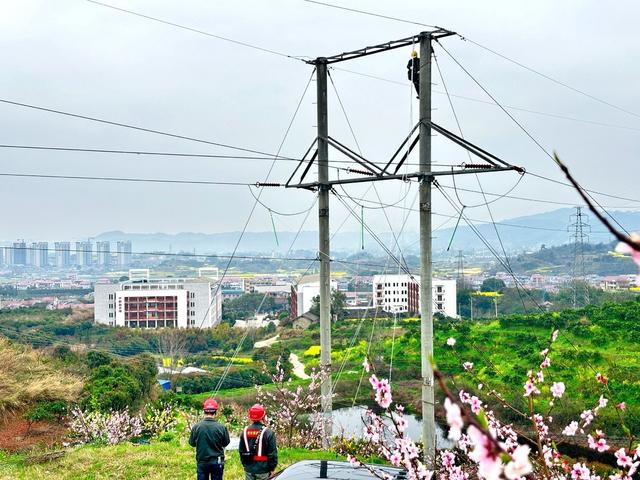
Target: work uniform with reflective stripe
(261,440)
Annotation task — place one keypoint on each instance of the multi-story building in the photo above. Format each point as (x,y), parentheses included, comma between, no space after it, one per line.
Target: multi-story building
(123,253)
(18,253)
(401,294)
(63,254)
(303,293)
(159,303)
(39,254)
(103,250)
(84,254)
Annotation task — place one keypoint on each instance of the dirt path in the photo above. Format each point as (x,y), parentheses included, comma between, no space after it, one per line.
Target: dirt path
(298,367)
(266,343)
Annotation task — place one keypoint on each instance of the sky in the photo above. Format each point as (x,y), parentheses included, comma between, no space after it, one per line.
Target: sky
(84,58)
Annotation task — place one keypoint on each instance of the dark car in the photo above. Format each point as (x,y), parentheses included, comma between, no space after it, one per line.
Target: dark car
(313,469)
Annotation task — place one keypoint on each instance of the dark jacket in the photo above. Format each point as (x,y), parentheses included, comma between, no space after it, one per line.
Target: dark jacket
(413,69)
(269,450)
(209,437)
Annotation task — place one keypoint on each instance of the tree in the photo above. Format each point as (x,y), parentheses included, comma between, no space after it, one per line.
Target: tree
(338,304)
(493,285)
(172,347)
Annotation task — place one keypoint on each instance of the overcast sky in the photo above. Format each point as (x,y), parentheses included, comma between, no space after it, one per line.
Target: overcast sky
(84,58)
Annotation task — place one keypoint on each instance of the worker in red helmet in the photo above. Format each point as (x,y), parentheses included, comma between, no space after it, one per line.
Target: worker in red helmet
(258,449)
(209,438)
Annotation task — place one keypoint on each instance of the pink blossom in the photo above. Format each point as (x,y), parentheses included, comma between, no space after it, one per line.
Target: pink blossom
(571,429)
(489,463)
(365,365)
(476,405)
(545,363)
(454,419)
(621,406)
(587,417)
(598,443)
(480,386)
(353,461)
(467,365)
(451,341)
(602,402)
(626,249)
(540,376)
(530,388)
(519,466)
(557,389)
(448,459)
(395,458)
(624,460)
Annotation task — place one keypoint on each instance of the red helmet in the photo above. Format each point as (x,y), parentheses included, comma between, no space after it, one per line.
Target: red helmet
(256,413)
(210,405)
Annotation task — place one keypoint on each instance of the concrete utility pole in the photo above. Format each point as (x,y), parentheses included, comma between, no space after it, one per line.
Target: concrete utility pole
(324,252)
(426,292)
(372,172)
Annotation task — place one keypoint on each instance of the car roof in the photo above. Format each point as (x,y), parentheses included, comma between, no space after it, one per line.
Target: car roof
(336,470)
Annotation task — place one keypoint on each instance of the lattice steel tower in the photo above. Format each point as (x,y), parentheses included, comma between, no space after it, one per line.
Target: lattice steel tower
(579,229)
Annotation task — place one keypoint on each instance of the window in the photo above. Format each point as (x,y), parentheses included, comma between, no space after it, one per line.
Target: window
(439,289)
(193,304)
(111,296)
(111,305)
(439,298)
(110,314)
(439,306)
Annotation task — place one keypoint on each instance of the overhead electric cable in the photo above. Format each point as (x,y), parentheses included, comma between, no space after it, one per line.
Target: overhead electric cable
(195,30)
(133,127)
(364,12)
(255,204)
(547,77)
(126,179)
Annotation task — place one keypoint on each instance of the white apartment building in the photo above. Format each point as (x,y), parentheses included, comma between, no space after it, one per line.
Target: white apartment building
(303,293)
(401,294)
(158,303)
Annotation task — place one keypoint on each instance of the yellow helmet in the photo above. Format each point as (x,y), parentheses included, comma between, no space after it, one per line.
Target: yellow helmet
(414,54)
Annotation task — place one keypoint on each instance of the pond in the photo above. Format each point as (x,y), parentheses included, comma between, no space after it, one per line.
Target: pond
(348,421)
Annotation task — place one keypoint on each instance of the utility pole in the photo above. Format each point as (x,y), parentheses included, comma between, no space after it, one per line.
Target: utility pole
(369,171)
(324,252)
(426,292)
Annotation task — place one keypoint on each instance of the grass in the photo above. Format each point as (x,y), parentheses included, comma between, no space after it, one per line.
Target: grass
(155,461)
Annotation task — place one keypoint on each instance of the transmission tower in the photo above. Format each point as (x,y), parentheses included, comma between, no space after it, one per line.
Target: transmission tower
(579,229)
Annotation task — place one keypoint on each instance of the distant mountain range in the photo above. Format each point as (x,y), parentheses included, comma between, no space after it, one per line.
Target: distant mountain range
(517,234)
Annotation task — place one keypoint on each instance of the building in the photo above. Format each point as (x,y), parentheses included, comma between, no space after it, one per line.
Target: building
(123,253)
(39,254)
(303,293)
(401,294)
(84,254)
(157,303)
(103,250)
(2,260)
(63,254)
(18,253)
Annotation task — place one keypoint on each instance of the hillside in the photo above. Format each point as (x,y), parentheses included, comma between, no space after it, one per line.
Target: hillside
(519,234)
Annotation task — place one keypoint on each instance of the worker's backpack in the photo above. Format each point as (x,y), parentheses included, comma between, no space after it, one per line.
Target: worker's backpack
(251,453)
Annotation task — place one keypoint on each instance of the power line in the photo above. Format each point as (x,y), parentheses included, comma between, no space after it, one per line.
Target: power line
(466,39)
(133,127)
(195,30)
(364,12)
(551,79)
(128,179)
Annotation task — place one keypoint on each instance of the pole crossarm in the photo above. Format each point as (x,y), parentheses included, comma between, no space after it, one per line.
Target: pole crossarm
(465,169)
(375,173)
(382,47)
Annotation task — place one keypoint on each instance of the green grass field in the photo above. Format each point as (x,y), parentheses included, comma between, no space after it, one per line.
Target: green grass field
(157,461)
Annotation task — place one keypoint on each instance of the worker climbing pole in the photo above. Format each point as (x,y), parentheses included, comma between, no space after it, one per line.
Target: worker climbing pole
(413,71)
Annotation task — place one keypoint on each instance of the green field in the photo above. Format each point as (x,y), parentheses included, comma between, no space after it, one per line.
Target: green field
(155,461)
